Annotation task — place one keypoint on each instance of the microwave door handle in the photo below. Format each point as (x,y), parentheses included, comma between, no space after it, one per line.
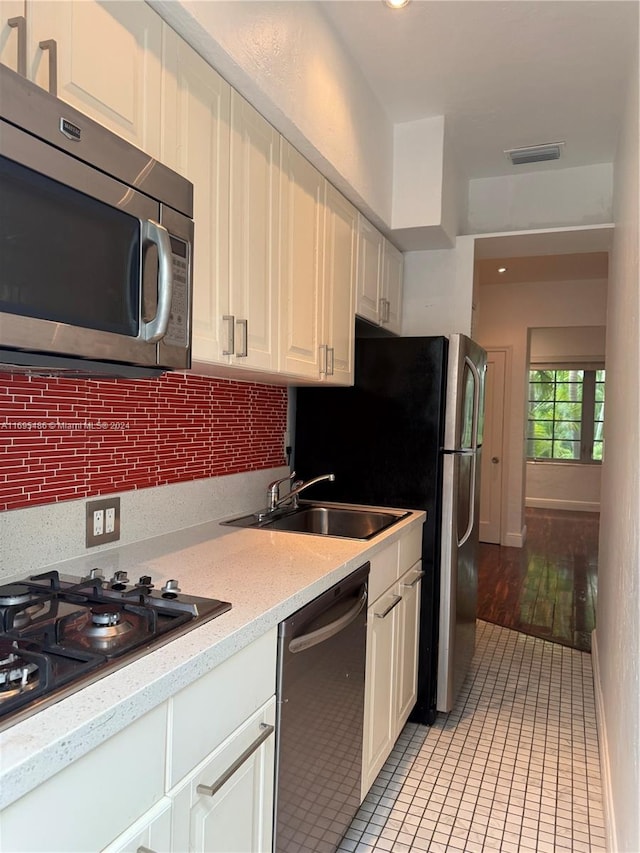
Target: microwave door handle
(153,232)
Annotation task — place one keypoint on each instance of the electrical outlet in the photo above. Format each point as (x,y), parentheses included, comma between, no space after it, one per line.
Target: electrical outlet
(102,521)
(98,522)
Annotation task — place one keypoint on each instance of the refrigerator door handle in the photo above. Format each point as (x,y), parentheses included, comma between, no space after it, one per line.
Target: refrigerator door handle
(476,401)
(472,491)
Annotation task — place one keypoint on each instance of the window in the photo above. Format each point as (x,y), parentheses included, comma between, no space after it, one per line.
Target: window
(566,415)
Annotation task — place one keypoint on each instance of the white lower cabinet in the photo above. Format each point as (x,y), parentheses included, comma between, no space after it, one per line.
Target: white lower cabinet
(152,832)
(392,652)
(226,804)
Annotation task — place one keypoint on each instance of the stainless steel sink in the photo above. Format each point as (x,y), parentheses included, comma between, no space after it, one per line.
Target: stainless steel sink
(320,520)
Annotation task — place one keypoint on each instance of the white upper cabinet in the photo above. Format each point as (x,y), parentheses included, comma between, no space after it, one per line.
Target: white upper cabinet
(229,152)
(340,264)
(302,238)
(318,257)
(195,142)
(103,58)
(392,272)
(370,249)
(253,234)
(380,271)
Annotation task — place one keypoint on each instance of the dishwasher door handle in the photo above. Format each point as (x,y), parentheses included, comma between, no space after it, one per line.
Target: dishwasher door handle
(314,638)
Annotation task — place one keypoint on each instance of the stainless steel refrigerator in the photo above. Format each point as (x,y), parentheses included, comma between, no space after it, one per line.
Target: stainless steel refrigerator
(409,434)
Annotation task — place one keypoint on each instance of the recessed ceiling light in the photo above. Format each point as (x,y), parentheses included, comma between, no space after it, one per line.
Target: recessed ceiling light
(396,4)
(535,153)
(502,269)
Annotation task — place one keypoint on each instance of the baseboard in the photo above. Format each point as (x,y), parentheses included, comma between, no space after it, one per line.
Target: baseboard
(603,748)
(516,540)
(552,503)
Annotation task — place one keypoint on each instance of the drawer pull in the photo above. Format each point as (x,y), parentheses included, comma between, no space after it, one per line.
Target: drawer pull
(211,790)
(418,577)
(52,46)
(20,24)
(231,328)
(142,849)
(396,601)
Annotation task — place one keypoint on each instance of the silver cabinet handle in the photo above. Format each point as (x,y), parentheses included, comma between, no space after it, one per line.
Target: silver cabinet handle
(387,311)
(330,361)
(20,23)
(324,360)
(244,325)
(156,234)
(381,302)
(417,578)
(142,849)
(211,790)
(396,601)
(231,332)
(52,46)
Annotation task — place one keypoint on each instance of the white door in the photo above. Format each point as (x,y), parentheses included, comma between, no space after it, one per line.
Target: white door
(492,449)
(107,59)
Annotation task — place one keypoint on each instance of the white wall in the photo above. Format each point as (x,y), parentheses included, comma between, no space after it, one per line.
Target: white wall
(540,199)
(562,485)
(437,296)
(617,640)
(505,314)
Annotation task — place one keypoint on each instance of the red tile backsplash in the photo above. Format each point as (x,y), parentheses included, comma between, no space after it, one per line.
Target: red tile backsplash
(64,438)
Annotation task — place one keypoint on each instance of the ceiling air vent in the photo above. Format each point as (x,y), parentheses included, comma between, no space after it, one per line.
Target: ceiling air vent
(535,153)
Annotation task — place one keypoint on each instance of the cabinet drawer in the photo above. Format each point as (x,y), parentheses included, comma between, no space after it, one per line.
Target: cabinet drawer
(410,548)
(205,713)
(109,788)
(384,571)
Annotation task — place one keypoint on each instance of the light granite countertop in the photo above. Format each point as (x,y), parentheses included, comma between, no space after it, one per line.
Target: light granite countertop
(265,575)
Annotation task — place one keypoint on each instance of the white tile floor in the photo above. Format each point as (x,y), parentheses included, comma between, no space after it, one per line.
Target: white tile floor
(514,766)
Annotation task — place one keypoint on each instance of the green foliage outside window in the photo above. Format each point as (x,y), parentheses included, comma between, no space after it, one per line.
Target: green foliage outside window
(566,415)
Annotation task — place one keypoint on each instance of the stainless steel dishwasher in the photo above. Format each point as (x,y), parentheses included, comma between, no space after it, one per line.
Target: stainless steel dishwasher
(321,661)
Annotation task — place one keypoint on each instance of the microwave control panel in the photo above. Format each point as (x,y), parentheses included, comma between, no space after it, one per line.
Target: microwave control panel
(178,328)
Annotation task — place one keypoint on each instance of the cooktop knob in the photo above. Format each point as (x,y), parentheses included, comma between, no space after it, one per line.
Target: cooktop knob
(170,589)
(119,580)
(145,580)
(96,575)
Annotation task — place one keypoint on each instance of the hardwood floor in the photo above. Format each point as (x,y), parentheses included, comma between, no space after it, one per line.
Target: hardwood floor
(548,588)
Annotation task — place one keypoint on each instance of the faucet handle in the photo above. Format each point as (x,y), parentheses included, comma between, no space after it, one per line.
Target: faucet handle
(273,489)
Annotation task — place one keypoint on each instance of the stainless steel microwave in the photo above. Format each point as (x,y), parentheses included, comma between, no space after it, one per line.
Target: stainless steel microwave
(96,245)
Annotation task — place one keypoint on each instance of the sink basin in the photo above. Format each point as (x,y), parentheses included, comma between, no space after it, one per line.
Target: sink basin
(327,521)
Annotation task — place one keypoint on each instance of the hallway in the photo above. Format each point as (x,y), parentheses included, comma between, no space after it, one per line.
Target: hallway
(548,588)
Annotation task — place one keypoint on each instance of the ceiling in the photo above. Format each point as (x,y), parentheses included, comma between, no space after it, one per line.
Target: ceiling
(504,74)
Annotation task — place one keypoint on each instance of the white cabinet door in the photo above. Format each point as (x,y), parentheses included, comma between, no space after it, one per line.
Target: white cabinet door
(253,234)
(12,34)
(393,267)
(106,57)
(302,242)
(195,142)
(340,263)
(406,686)
(226,804)
(370,248)
(379,728)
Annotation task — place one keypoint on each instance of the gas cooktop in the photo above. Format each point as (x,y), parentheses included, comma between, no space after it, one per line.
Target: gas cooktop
(59,633)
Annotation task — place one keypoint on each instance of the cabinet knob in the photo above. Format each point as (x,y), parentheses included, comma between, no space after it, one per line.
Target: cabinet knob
(495,460)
